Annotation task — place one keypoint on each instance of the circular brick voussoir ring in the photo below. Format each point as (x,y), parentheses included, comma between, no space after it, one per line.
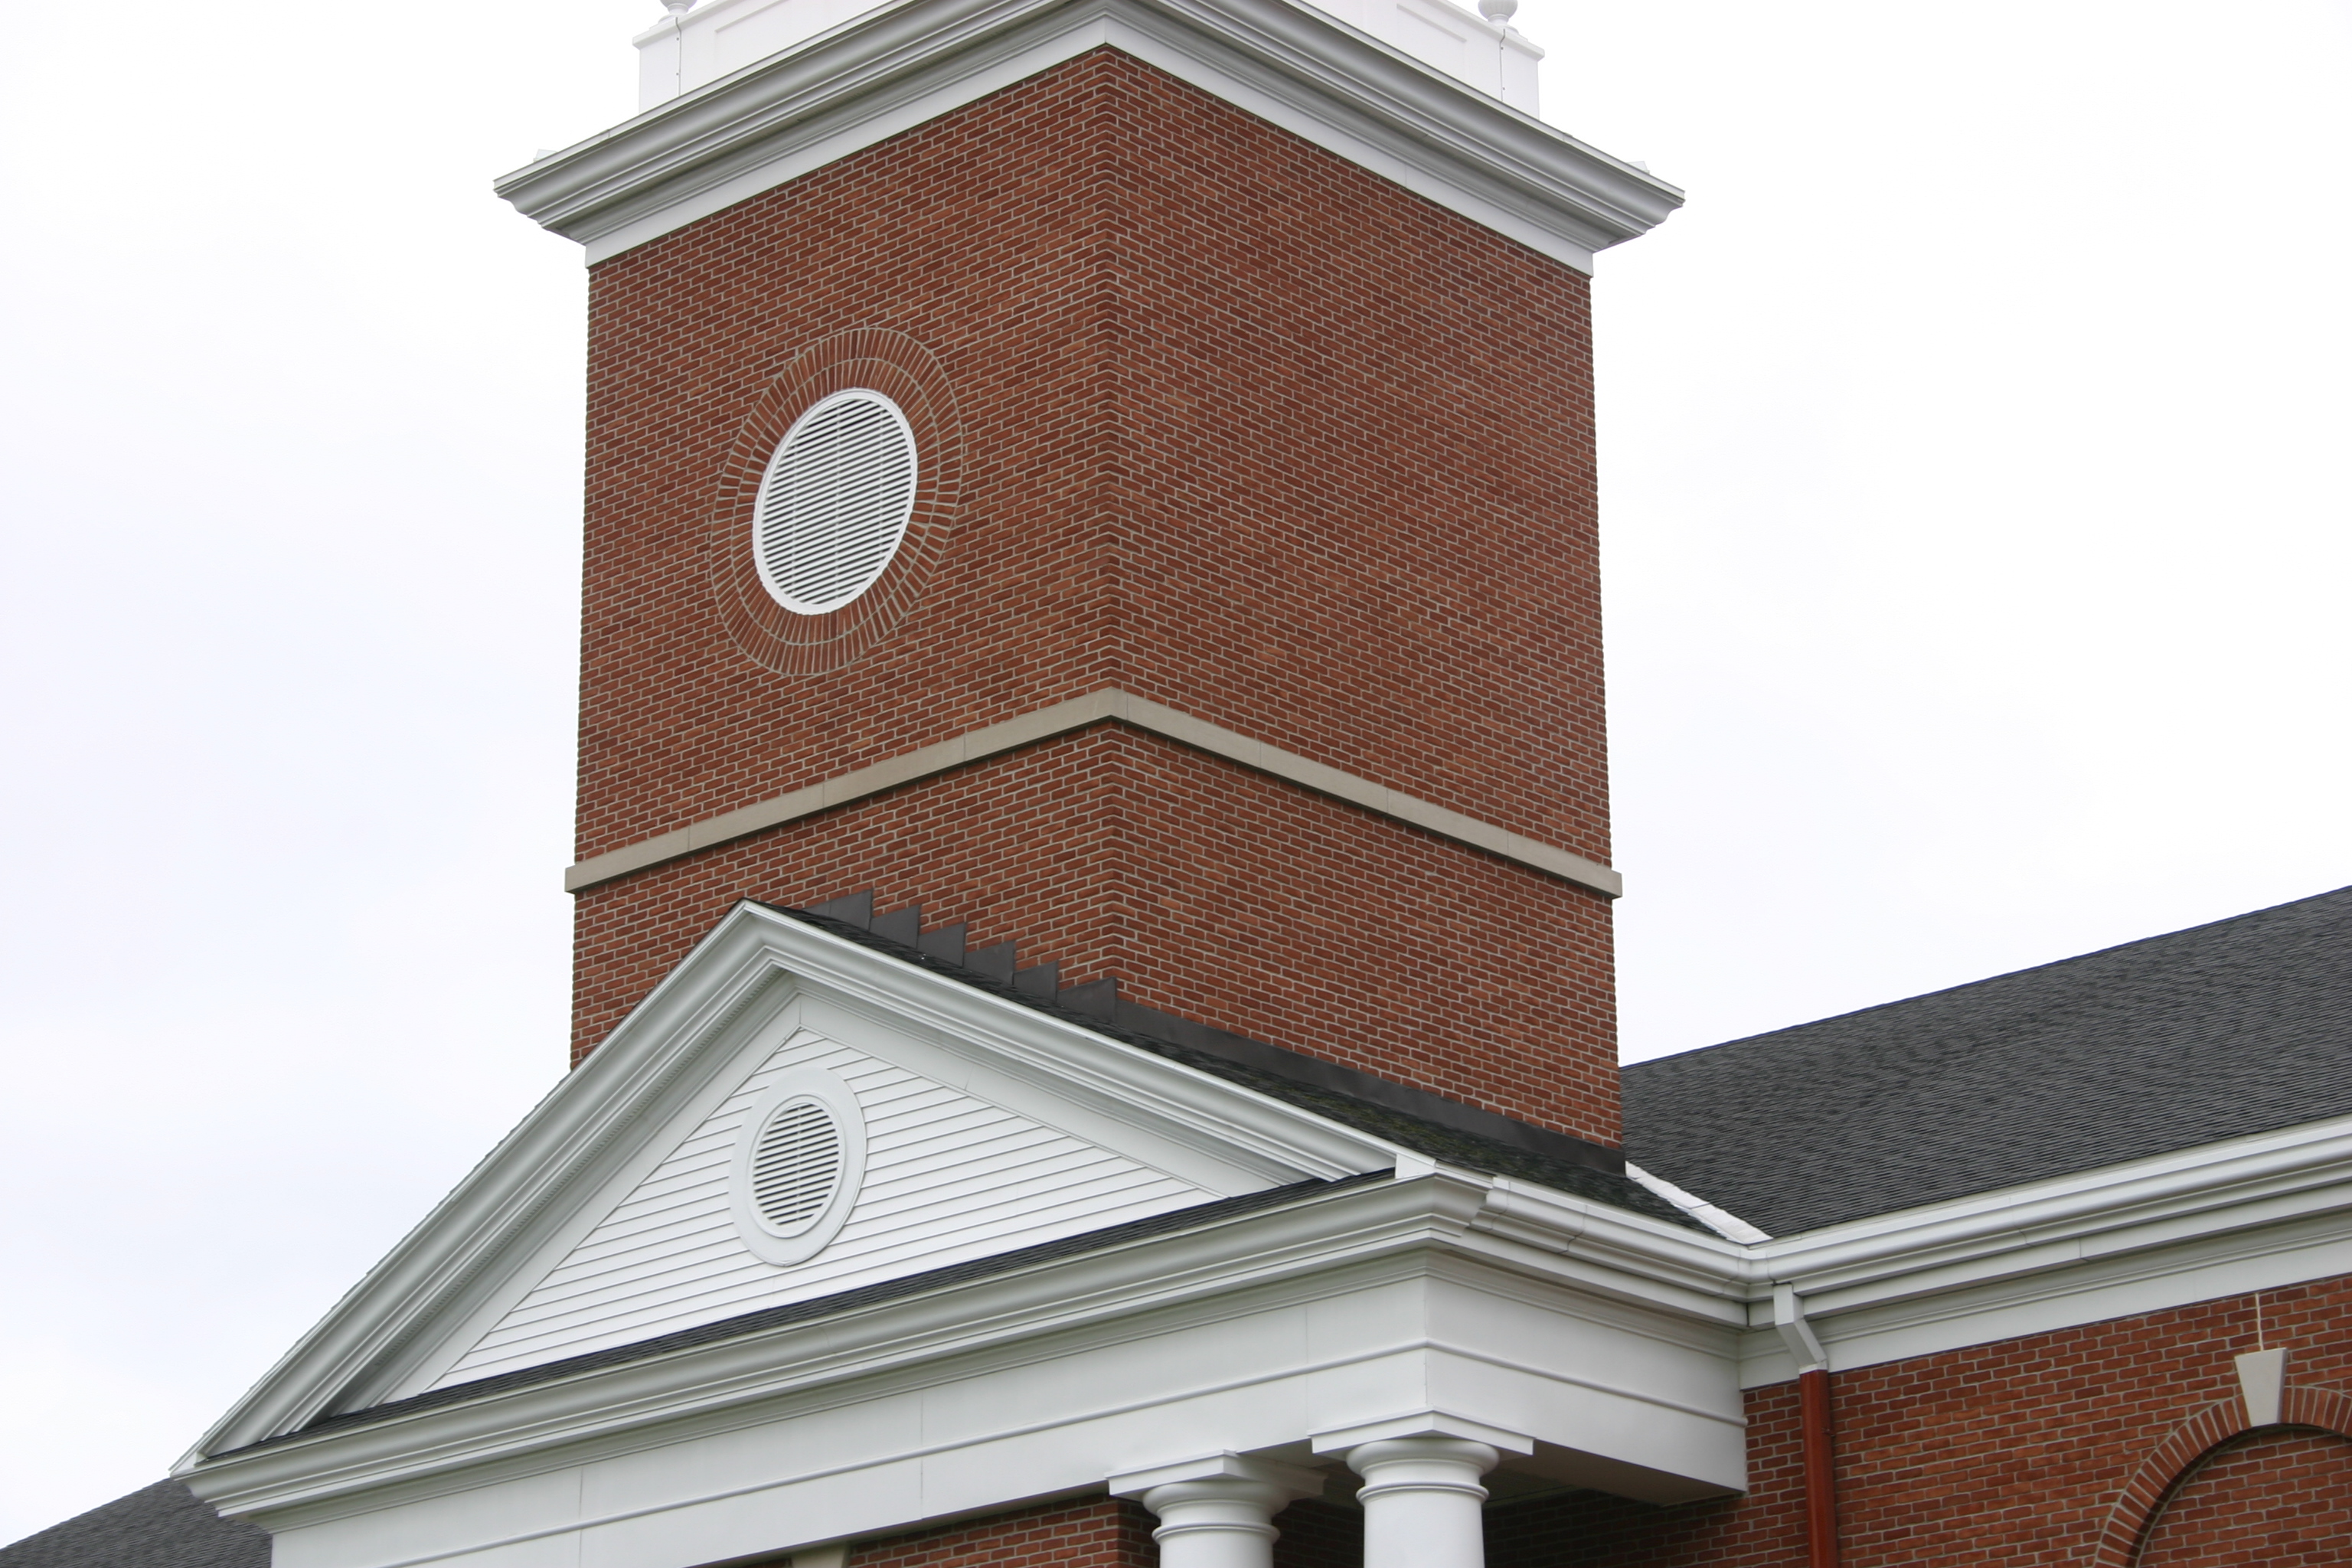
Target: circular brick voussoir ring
(902,370)
(2175,1461)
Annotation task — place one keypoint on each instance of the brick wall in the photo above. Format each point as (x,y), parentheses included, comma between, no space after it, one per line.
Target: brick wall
(1319,1535)
(2017,1453)
(1212,893)
(1208,414)
(2272,1500)
(1093,1532)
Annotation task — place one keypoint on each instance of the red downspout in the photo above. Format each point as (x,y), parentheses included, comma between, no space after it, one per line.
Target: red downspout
(1820,1470)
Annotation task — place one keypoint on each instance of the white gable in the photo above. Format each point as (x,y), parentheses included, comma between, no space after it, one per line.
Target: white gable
(610,1218)
(948,1177)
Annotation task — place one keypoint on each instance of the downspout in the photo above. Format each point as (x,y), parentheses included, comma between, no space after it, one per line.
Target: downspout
(1813,1425)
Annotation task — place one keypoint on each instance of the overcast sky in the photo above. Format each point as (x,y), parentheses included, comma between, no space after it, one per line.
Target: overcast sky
(1973,461)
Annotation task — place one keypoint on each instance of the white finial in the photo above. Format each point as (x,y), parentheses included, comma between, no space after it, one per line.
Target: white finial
(1499,12)
(678,8)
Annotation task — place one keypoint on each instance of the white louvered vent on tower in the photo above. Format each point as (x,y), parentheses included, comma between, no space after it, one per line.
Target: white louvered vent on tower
(796,1165)
(834,502)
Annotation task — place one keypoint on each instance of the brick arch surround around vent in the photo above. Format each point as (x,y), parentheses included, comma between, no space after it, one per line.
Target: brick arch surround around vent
(902,370)
(2192,1450)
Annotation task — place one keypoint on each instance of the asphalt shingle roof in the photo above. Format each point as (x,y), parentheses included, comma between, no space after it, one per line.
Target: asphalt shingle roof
(2236,1027)
(162,1526)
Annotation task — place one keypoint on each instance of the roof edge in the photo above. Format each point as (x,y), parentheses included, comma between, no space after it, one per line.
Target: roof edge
(898,67)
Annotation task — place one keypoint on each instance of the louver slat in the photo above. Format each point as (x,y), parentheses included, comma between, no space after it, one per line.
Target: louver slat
(834,504)
(796,1165)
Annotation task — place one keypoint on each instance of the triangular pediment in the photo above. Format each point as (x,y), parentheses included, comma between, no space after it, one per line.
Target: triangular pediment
(945,1177)
(628,1205)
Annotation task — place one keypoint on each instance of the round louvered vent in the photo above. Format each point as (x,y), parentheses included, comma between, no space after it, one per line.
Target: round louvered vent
(796,1165)
(834,502)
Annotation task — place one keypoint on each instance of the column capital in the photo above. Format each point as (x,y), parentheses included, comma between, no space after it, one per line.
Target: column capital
(1294,1480)
(1421,1494)
(1422,1464)
(1217,1510)
(1340,1441)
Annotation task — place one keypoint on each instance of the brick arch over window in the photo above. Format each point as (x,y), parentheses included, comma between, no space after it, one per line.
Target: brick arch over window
(2176,1460)
(2279,1498)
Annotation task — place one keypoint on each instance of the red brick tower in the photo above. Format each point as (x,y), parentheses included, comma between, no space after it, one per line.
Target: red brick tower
(1244,646)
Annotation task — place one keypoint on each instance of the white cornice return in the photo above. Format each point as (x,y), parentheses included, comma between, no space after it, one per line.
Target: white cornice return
(1288,62)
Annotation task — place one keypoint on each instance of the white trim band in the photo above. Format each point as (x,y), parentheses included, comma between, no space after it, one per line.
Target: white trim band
(1095,707)
(897,67)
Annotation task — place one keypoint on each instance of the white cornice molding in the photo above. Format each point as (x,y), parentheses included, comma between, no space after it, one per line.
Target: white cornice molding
(1319,1247)
(899,66)
(2138,1202)
(2215,1219)
(1289,1246)
(1108,704)
(1947,1275)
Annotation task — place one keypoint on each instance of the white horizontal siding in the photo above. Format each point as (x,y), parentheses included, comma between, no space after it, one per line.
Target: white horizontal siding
(948,1178)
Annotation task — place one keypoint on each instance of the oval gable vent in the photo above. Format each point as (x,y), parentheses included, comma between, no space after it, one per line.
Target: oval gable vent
(796,1166)
(834,504)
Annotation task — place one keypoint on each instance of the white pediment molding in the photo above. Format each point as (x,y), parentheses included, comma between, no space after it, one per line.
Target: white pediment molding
(899,66)
(1268,1326)
(677,1057)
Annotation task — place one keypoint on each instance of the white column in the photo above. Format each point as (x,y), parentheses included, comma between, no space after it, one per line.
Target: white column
(1217,1511)
(1423,1501)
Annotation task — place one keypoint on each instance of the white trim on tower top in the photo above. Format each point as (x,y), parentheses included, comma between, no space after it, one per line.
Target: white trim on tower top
(899,66)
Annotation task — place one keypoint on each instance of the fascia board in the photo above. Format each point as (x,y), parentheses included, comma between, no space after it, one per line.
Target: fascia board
(2144,1250)
(1318,1245)
(1700,1325)
(2168,1212)
(1624,1253)
(2036,1243)
(895,68)
(2190,1192)
(652,1060)
(2065,1290)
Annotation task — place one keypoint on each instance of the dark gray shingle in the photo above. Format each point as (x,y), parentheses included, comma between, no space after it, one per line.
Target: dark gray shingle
(2241,1027)
(162,1526)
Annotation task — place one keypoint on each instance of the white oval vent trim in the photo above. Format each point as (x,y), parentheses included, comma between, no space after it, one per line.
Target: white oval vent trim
(799,1162)
(834,503)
